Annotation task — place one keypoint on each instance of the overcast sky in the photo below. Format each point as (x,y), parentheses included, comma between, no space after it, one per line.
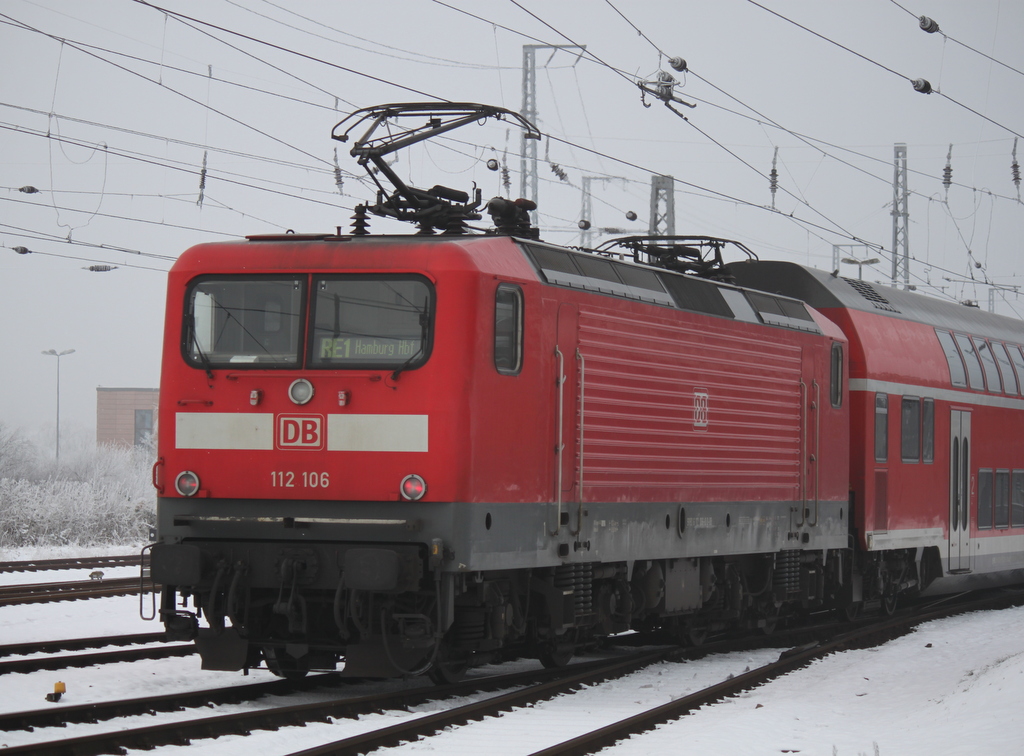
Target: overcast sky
(108,107)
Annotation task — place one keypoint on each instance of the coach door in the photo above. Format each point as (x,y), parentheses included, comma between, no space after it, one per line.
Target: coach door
(567,391)
(960,491)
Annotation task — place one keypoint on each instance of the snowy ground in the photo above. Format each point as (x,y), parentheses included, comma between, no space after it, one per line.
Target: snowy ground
(953,686)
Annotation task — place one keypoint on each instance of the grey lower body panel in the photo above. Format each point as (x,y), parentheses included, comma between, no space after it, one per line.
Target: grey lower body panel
(480,537)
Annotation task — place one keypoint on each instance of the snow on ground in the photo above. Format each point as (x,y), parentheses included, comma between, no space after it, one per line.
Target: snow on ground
(952,686)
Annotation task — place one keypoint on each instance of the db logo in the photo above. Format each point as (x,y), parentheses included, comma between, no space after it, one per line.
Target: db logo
(700,408)
(300,432)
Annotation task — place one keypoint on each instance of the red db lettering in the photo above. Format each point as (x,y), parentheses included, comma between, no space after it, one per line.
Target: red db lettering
(300,431)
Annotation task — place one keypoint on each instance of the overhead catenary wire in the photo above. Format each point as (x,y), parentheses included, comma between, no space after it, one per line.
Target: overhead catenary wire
(296,53)
(731,199)
(920,85)
(193,100)
(929,25)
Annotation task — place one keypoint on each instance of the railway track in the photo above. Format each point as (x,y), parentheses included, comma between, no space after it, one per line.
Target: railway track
(72,563)
(34,593)
(144,646)
(518,691)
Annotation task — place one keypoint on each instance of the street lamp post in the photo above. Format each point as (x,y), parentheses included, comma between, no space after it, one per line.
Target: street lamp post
(58,355)
(860,264)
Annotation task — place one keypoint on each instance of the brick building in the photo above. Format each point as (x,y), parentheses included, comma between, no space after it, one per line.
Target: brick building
(125,416)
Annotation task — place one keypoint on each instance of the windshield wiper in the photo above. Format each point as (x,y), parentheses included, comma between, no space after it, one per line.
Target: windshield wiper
(203,359)
(424,325)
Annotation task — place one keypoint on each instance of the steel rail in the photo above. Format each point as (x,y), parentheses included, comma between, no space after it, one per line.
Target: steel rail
(35,593)
(71,563)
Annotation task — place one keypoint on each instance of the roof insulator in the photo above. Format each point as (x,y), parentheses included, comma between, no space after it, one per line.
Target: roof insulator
(922,85)
(928,24)
(677,63)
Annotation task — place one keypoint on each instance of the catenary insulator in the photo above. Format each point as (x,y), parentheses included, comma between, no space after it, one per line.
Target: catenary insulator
(1015,166)
(922,85)
(22,250)
(928,24)
(584,225)
(630,215)
(677,63)
(101,268)
(28,190)
(493,165)
(947,172)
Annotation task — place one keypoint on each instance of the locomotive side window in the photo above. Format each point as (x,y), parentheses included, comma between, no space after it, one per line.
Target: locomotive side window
(957,375)
(910,427)
(370,322)
(984,350)
(836,390)
(782,312)
(1002,498)
(508,329)
(237,322)
(984,499)
(692,293)
(881,427)
(1017,500)
(975,377)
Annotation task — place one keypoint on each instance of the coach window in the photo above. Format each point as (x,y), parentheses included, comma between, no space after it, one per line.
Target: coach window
(910,427)
(984,499)
(957,376)
(974,374)
(837,375)
(881,427)
(1005,368)
(508,329)
(928,430)
(984,350)
(1018,361)
(1017,500)
(1002,498)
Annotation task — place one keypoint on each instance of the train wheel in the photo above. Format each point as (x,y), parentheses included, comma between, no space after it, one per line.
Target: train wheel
(697,631)
(449,667)
(285,665)
(770,617)
(889,601)
(557,654)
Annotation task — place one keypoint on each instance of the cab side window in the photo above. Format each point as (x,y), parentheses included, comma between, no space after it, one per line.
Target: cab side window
(836,392)
(508,329)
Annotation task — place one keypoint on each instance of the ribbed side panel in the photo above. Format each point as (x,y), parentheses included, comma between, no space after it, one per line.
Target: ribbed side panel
(707,414)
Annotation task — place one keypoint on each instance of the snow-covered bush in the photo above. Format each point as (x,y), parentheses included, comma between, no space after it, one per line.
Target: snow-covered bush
(92,496)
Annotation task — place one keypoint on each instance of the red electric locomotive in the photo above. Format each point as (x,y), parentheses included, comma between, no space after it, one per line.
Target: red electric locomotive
(420,453)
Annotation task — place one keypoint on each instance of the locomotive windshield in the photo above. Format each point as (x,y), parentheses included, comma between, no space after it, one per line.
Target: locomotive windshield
(364,321)
(232,322)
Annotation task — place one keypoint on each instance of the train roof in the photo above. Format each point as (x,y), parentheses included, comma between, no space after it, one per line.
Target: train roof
(823,291)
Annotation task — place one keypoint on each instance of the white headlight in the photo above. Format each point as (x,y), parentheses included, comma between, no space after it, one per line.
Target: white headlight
(301,391)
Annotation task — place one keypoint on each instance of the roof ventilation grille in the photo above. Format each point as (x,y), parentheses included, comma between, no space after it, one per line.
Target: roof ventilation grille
(869,293)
